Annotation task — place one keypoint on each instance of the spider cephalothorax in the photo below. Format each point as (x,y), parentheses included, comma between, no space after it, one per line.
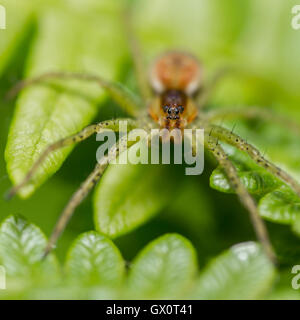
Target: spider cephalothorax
(173,102)
(175,77)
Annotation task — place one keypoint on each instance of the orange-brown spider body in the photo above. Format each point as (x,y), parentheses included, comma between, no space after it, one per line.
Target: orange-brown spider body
(175,77)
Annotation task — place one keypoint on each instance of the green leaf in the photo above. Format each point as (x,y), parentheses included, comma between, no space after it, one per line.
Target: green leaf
(94,260)
(243,272)
(164,269)
(130,194)
(281,206)
(21,250)
(67,40)
(256,179)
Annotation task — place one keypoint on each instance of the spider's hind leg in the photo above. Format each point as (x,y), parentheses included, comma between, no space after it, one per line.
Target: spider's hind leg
(138,59)
(246,199)
(119,94)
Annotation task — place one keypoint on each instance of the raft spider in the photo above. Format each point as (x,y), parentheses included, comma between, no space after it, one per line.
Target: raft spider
(175,97)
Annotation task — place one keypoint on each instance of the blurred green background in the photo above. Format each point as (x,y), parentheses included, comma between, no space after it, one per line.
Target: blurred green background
(255,35)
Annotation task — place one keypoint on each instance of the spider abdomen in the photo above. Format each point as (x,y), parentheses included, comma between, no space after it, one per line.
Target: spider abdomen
(176,70)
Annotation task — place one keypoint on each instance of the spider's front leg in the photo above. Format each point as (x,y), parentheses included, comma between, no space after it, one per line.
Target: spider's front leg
(211,143)
(80,136)
(235,140)
(84,189)
(75,200)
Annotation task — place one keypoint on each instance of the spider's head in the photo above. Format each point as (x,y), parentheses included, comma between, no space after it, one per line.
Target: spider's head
(173,103)
(173,113)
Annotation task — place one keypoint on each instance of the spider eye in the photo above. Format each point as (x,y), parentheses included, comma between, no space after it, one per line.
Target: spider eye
(165,108)
(180,108)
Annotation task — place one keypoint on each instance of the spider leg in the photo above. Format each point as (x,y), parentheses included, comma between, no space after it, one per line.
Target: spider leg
(117,92)
(254,113)
(83,190)
(80,136)
(246,199)
(233,139)
(207,90)
(75,200)
(138,61)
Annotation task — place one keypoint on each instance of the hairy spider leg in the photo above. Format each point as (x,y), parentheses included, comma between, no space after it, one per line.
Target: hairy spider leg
(118,93)
(235,140)
(254,113)
(80,136)
(75,200)
(211,143)
(84,189)
(137,57)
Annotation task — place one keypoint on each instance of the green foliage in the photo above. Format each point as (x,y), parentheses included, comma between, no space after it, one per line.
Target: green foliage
(94,260)
(281,206)
(87,36)
(165,268)
(21,246)
(243,272)
(276,201)
(65,40)
(129,195)
(256,179)
(21,250)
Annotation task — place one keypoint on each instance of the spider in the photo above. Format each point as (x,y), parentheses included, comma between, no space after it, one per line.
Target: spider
(173,96)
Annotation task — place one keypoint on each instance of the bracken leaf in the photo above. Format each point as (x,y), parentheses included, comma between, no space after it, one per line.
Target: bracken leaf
(94,260)
(130,194)
(164,269)
(243,272)
(66,41)
(256,179)
(21,249)
(281,206)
